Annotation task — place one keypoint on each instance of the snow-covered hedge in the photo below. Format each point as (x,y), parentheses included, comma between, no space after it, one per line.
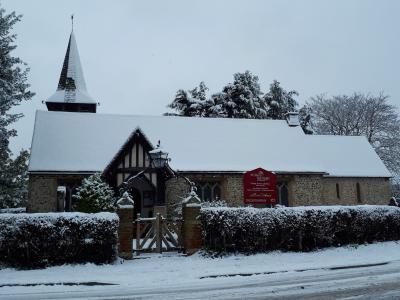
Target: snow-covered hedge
(17,210)
(38,240)
(298,228)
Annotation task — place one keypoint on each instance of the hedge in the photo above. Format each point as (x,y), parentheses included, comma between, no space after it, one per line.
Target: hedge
(18,210)
(251,230)
(44,239)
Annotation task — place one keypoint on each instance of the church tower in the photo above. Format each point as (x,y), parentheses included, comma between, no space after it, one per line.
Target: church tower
(71,94)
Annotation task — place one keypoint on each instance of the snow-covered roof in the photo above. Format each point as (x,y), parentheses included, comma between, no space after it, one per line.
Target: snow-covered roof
(71,86)
(76,142)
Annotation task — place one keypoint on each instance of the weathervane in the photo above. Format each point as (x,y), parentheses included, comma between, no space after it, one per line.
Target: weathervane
(72,21)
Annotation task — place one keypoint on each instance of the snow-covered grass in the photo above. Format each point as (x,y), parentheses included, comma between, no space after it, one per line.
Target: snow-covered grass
(174,270)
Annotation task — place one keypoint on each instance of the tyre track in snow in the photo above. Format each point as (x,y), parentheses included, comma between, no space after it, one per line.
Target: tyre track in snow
(376,282)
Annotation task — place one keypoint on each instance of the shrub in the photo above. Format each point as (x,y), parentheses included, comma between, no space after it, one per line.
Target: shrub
(94,195)
(297,228)
(39,240)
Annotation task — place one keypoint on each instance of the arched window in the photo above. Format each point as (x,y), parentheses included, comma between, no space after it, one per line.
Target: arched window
(358,188)
(337,191)
(217,192)
(208,191)
(283,194)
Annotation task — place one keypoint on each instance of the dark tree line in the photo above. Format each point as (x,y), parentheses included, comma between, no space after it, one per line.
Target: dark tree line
(242,98)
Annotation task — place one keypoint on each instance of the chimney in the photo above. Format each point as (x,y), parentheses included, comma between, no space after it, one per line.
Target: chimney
(292,119)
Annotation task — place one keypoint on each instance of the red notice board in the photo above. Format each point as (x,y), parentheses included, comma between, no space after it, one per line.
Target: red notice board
(259,187)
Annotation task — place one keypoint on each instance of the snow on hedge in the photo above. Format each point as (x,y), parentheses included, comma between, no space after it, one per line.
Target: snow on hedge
(37,240)
(17,210)
(297,228)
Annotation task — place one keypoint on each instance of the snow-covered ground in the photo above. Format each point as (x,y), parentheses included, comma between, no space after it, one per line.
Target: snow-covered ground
(180,277)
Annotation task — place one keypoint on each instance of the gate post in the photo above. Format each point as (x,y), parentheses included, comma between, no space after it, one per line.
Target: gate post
(158,232)
(191,227)
(138,233)
(125,229)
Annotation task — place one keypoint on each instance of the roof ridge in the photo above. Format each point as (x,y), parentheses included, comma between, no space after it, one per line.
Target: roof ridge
(169,117)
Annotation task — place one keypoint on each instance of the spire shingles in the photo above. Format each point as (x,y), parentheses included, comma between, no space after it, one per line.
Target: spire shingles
(71,85)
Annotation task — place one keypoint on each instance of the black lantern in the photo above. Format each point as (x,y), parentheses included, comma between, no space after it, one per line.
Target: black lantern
(158,157)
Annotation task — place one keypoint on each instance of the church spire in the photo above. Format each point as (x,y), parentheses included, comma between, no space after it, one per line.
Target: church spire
(71,77)
(71,94)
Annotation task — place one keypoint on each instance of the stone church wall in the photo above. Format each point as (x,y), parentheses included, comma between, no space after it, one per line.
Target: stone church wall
(42,193)
(303,189)
(42,190)
(306,190)
(178,188)
(232,189)
(318,190)
(175,191)
(372,190)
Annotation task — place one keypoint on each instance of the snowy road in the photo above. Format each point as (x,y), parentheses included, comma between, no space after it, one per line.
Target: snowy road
(376,282)
(368,283)
(317,275)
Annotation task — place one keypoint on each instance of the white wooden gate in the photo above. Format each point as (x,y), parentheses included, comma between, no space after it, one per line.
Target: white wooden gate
(157,234)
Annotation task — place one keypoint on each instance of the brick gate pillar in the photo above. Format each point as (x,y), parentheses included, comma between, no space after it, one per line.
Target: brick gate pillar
(125,207)
(191,229)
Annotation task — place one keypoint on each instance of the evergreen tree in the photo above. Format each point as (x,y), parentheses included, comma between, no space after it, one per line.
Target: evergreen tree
(190,103)
(240,99)
(279,101)
(14,181)
(94,195)
(13,90)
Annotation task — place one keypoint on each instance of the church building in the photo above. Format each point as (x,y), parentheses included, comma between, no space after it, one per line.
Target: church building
(71,141)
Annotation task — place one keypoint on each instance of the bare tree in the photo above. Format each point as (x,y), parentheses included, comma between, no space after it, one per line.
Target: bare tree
(359,114)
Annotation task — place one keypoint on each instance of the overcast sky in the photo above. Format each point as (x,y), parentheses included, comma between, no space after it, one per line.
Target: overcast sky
(136,54)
